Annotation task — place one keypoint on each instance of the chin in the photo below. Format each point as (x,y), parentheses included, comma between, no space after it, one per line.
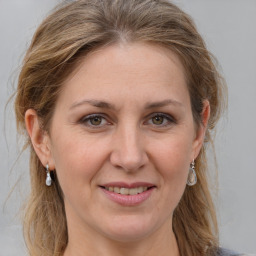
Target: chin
(128,236)
(130,229)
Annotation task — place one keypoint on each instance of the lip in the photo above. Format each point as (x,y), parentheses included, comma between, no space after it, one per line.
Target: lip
(128,200)
(128,185)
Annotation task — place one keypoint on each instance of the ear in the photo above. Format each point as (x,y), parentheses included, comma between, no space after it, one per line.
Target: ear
(39,138)
(201,129)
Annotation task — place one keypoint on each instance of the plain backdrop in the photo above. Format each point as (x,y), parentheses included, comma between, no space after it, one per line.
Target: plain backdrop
(229,28)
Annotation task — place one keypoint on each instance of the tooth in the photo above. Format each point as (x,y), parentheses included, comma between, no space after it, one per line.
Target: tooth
(127,191)
(140,189)
(133,191)
(116,190)
(124,191)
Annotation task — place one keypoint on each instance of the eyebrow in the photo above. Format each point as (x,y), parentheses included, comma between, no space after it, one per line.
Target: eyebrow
(107,105)
(95,103)
(163,103)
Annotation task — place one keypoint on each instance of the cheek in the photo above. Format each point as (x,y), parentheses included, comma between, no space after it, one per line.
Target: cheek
(172,160)
(76,161)
(174,154)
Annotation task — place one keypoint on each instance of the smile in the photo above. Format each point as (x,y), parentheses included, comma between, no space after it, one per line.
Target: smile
(128,194)
(127,191)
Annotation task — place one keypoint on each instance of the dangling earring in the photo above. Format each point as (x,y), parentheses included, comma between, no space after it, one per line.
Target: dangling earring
(192,179)
(48,180)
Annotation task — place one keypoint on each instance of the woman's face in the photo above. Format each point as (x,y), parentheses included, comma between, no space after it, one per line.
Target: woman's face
(122,138)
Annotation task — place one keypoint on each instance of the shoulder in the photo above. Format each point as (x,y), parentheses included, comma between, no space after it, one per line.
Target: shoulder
(225,252)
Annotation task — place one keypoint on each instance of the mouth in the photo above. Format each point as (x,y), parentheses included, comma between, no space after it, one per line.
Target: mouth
(126,190)
(128,194)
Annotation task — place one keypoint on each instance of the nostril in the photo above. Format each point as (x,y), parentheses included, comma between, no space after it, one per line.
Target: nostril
(127,162)
(128,150)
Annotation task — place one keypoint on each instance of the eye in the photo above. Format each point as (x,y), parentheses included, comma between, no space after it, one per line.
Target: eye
(94,121)
(161,120)
(157,120)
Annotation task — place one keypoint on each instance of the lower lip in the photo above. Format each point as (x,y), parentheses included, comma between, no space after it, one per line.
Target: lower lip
(128,200)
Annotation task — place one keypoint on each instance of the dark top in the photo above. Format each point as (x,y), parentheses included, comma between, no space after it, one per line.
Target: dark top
(225,252)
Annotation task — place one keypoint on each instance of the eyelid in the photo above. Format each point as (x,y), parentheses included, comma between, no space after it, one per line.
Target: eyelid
(86,118)
(171,120)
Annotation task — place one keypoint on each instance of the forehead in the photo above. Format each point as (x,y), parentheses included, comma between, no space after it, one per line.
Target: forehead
(127,55)
(139,70)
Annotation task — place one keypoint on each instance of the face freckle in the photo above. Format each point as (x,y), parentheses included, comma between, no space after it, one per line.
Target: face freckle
(104,136)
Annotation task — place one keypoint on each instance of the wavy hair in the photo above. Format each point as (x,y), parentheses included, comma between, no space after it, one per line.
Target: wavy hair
(61,41)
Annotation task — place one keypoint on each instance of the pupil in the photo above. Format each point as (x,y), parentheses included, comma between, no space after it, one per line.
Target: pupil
(96,120)
(158,120)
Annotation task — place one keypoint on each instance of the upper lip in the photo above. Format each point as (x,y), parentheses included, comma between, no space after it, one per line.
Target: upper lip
(128,185)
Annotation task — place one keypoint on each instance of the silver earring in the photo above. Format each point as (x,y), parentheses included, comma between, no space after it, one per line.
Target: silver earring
(48,180)
(192,179)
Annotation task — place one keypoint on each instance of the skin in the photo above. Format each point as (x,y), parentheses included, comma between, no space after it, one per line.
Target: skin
(129,142)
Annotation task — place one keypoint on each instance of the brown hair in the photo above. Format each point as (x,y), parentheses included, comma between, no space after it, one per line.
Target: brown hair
(58,45)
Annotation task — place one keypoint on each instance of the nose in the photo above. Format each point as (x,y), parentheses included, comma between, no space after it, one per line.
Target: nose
(128,150)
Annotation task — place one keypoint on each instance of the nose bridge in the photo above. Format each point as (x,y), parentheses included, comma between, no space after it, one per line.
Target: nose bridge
(129,152)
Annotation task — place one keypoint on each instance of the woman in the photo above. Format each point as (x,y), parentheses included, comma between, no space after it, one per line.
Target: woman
(119,100)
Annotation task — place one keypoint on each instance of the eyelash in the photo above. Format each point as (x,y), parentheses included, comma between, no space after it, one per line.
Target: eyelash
(84,120)
(169,120)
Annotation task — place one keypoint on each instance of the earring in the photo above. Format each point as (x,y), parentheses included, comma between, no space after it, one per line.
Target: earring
(192,179)
(48,180)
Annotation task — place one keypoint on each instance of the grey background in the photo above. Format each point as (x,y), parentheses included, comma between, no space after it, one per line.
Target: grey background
(229,28)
